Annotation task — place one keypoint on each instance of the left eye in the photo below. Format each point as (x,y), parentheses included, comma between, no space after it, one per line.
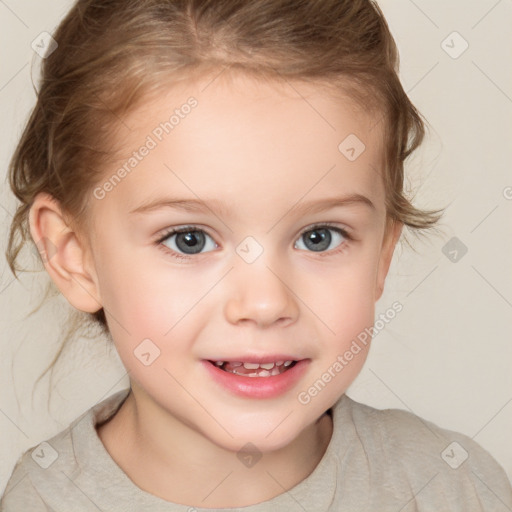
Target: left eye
(190,241)
(320,238)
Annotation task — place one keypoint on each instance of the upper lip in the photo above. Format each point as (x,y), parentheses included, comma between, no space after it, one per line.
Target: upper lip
(257,359)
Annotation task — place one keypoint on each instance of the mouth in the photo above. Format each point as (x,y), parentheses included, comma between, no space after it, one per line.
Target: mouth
(257,377)
(253,369)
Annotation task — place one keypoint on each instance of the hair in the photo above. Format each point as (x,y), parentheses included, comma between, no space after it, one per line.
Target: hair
(114,54)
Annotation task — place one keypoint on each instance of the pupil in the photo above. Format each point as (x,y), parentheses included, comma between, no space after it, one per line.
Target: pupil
(190,240)
(320,239)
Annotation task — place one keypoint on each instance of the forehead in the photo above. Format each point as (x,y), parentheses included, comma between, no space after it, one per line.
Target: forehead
(251,140)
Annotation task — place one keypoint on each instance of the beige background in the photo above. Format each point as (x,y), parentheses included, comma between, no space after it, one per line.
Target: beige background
(447,356)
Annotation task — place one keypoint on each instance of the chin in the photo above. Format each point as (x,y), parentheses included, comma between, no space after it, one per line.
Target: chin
(266,434)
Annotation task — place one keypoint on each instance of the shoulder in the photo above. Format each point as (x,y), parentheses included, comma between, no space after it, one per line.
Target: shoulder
(406,436)
(20,493)
(46,472)
(32,476)
(404,447)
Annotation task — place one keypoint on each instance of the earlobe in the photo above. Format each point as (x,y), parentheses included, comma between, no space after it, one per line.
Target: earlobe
(62,254)
(391,238)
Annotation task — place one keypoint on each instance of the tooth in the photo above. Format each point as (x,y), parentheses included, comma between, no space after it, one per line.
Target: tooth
(252,375)
(219,363)
(263,373)
(236,364)
(251,366)
(288,363)
(275,371)
(279,363)
(267,366)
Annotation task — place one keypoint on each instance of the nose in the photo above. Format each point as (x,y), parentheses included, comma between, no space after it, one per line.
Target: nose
(260,296)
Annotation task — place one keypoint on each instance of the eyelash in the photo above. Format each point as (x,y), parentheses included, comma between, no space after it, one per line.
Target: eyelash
(182,257)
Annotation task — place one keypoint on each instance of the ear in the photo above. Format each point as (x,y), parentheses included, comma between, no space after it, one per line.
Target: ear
(391,235)
(63,255)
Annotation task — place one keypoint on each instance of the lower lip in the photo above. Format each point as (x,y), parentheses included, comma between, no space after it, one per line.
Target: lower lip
(258,387)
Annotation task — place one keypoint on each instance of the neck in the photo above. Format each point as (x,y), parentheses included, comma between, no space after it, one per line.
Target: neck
(154,453)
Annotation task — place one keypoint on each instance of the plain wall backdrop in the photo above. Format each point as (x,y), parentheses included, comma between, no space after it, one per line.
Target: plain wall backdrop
(447,356)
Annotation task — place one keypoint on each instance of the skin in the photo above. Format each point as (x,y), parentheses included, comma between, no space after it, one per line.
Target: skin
(262,150)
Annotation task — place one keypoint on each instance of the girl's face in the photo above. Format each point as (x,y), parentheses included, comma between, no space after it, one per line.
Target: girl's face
(281,258)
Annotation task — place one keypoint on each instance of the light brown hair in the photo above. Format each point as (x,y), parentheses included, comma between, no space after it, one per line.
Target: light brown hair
(113,54)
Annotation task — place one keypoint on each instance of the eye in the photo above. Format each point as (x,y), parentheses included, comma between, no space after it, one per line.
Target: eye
(188,241)
(191,240)
(319,238)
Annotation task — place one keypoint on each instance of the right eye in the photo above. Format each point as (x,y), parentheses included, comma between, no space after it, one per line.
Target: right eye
(187,241)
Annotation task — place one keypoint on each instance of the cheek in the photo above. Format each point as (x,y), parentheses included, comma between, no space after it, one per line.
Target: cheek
(349,312)
(152,302)
(143,297)
(343,298)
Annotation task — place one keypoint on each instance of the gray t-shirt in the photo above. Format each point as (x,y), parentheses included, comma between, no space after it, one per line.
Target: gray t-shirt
(377,460)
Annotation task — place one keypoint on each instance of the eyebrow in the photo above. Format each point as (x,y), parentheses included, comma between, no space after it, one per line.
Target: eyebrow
(220,208)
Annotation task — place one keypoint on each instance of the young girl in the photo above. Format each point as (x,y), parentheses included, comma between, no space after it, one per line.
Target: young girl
(220,186)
